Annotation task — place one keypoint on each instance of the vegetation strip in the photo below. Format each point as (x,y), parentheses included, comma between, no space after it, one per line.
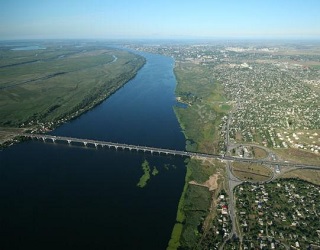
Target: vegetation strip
(200,122)
(62,84)
(146,174)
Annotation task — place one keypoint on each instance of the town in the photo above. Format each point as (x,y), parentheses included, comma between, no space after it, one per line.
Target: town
(274,91)
(268,108)
(279,215)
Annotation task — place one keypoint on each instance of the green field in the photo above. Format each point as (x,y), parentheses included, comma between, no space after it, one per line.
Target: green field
(200,120)
(194,206)
(251,171)
(316,66)
(298,156)
(310,175)
(42,88)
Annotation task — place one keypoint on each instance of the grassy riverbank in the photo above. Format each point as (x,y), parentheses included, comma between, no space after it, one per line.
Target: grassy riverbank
(207,105)
(203,182)
(200,121)
(43,88)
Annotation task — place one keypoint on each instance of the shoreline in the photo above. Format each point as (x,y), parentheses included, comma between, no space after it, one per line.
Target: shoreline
(174,242)
(179,227)
(45,127)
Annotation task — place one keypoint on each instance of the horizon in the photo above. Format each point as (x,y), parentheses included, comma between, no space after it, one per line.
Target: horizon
(160,20)
(236,40)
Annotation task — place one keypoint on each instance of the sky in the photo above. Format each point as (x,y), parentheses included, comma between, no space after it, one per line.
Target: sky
(159,19)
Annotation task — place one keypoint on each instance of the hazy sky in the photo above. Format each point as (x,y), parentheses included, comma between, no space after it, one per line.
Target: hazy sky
(159,18)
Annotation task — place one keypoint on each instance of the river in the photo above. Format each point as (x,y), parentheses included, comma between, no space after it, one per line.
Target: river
(54,195)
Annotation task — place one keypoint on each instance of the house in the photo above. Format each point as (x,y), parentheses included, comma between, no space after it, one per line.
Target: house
(272,245)
(224,210)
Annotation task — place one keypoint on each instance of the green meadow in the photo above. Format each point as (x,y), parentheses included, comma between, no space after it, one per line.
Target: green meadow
(41,88)
(207,104)
(199,120)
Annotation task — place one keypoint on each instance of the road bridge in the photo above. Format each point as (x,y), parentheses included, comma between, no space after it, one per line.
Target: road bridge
(98,143)
(130,147)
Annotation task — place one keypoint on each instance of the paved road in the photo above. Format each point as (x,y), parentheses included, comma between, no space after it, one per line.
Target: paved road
(45,137)
(97,143)
(233,182)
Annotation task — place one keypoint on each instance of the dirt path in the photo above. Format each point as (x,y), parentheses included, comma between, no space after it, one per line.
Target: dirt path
(212,185)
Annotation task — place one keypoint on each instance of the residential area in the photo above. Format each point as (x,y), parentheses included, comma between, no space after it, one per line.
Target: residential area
(272,112)
(279,215)
(274,90)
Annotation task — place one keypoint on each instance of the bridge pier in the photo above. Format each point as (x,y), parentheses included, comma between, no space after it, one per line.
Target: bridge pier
(96,145)
(85,143)
(69,141)
(44,139)
(53,140)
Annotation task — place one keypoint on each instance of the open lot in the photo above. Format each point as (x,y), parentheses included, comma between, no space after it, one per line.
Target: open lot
(251,172)
(309,175)
(298,156)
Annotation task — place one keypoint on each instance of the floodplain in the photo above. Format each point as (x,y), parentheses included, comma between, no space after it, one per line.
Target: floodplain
(42,88)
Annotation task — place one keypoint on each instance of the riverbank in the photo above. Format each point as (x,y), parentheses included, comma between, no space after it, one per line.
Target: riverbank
(40,106)
(87,191)
(203,182)
(8,136)
(200,122)
(207,105)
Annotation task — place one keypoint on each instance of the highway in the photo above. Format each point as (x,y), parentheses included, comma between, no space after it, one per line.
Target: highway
(98,143)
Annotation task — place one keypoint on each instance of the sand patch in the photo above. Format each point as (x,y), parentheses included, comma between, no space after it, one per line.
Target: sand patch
(211,184)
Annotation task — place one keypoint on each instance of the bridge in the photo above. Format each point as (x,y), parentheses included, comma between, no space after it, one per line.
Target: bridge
(98,143)
(123,146)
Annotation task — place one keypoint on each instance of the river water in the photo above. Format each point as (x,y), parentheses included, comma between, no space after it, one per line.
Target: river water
(55,196)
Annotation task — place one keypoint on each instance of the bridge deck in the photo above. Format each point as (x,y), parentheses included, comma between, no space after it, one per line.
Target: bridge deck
(130,147)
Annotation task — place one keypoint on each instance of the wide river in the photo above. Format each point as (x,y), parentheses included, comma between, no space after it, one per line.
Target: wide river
(57,196)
